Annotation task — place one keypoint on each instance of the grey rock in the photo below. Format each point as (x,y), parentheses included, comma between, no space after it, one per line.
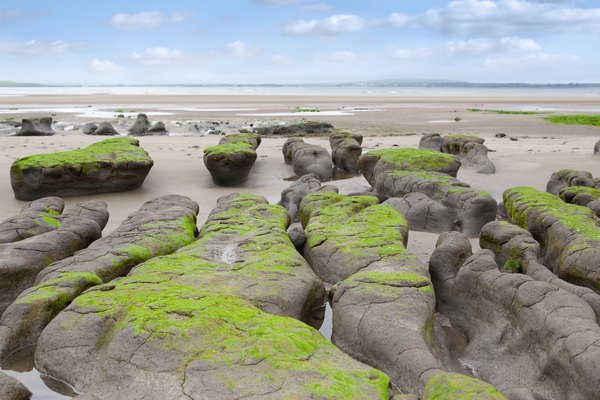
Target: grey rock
(346,150)
(140,126)
(583,196)
(105,129)
(37,217)
(229,162)
(424,213)
(431,141)
(565,178)
(36,127)
(89,128)
(476,158)
(300,129)
(293,195)
(307,159)
(297,235)
(158,129)
(12,389)
(455,144)
(597,149)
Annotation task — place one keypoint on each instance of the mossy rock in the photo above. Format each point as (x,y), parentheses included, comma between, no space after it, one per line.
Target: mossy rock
(584,196)
(230,161)
(35,218)
(460,387)
(112,165)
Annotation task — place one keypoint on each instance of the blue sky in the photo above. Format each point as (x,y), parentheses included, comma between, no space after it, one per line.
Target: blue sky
(298,41)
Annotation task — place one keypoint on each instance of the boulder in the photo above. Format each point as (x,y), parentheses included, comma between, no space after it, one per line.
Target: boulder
(430,141)
(105,129)
(216,319)
(345,150)
(37,217)
(597,148)
(455,144)
(159,227)
(300,129)
(530,339)
(36,127)
(229,162)
(140,126)
(307,158)
(293,195)
(476,158)
(459,387)
(569,234)
(424,213)
(158,129)
(565,178)
(89,128)
(12,389)
(112,165)
(584,196)
(75,229)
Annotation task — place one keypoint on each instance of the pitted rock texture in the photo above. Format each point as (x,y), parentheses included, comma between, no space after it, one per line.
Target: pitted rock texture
(35,218)
(471,208)
(229,162)
(307,158)
(583,196)
(516,251)
(564,178)
(159,227)
(75,229)
(36,127)
(213,320)
(112,165)
(345,150)
(430,141)
(569,234)
(12,389)
(530,339)
(424,213)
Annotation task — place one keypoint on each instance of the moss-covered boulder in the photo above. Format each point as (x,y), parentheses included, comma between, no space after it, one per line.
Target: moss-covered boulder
(112,165)
(159,227)
(229,162)
(307,158)
(35,218)
(471,208)
(460,387)
(569,234)
(583,196)
(216,319)
(345,150)
(21,261)
(528,338)
(565,178)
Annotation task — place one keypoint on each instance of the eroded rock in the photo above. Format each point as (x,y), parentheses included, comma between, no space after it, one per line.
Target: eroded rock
(424,213)
(105,129)
(12,389)
(140,126)
(229,162)
(35,218)
(36,127)
(430,141)
(583,196)
(345,150)
(565,178)
(307,158)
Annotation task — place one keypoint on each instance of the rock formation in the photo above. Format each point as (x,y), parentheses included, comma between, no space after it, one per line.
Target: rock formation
(229,162)
(140,126)
(39,216)
(12,389)
(471,151)
(431,141)
(424,213)
(105,129)
(584,196)
(345,151)
(565,178)
(300,129)
(307,158)
(112,165)
(158,129)
(36,127)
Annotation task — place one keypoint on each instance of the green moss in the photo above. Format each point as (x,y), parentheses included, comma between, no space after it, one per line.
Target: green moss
(416,160)
(445,184)
(229,148)
(459,387)
(580,190)
(465,138)
(580,119)
(303,109)
(512,265)
(504,111)
(118,150)
(51,220)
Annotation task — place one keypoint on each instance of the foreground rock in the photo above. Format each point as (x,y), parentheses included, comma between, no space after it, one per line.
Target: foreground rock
(159,227)
(39,216)
(460,387)
(12,389)
(530,339)
(307,158)
(398,172)
(36,127)
(345,150)
(564,178)
(301,129)
(214,320)
(568,234)
(112,165)
(584,196)
(21,261)
(229,162)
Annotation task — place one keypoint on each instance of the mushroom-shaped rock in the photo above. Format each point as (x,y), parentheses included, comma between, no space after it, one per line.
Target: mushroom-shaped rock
(105,129)
(21,261)
(214,320)
(345,151)
(36,127)
(159,227)
(230,161)
(307,158)
(12,389)
(140,126)
(112,165)
(565,178)
(430,141)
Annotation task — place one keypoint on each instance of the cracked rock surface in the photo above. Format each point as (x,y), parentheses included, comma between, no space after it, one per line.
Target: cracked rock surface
(159,227)
(216,319)
(307,158)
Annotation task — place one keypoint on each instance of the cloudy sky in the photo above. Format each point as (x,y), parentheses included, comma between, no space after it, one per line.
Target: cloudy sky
(298,41)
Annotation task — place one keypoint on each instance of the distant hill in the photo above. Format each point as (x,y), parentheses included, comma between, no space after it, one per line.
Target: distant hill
(19,84)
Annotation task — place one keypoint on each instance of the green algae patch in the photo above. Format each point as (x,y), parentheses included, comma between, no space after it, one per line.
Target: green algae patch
(51,220)
(507,112)
(593,119)
(460,387)
(573,191)
(389,284)
(445,184)
(415,160)
(229,148)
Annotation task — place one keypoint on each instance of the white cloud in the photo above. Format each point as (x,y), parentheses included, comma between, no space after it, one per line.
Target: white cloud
(483,45)
(317,8)
(516,43)
(144,20)
(343,55)
(278,1)
(398,19)
(335,25)
(531,59)
(157,56)
(409,54)
(239,49)
(97,65)
(39,47)
(280,59)
(469,46)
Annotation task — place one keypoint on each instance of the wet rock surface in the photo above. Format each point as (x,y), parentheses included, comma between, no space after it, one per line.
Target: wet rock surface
(308,158)
(304,128)
(229,162)
(112,165)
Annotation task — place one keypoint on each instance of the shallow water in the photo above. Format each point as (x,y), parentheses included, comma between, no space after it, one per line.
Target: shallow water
(36,385)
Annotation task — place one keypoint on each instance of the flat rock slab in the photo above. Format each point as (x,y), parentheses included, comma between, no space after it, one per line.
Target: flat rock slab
(213,320)
(159,227)
(112,165)
(229,162)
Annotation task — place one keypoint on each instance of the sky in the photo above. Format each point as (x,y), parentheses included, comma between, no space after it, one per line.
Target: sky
(298,41)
